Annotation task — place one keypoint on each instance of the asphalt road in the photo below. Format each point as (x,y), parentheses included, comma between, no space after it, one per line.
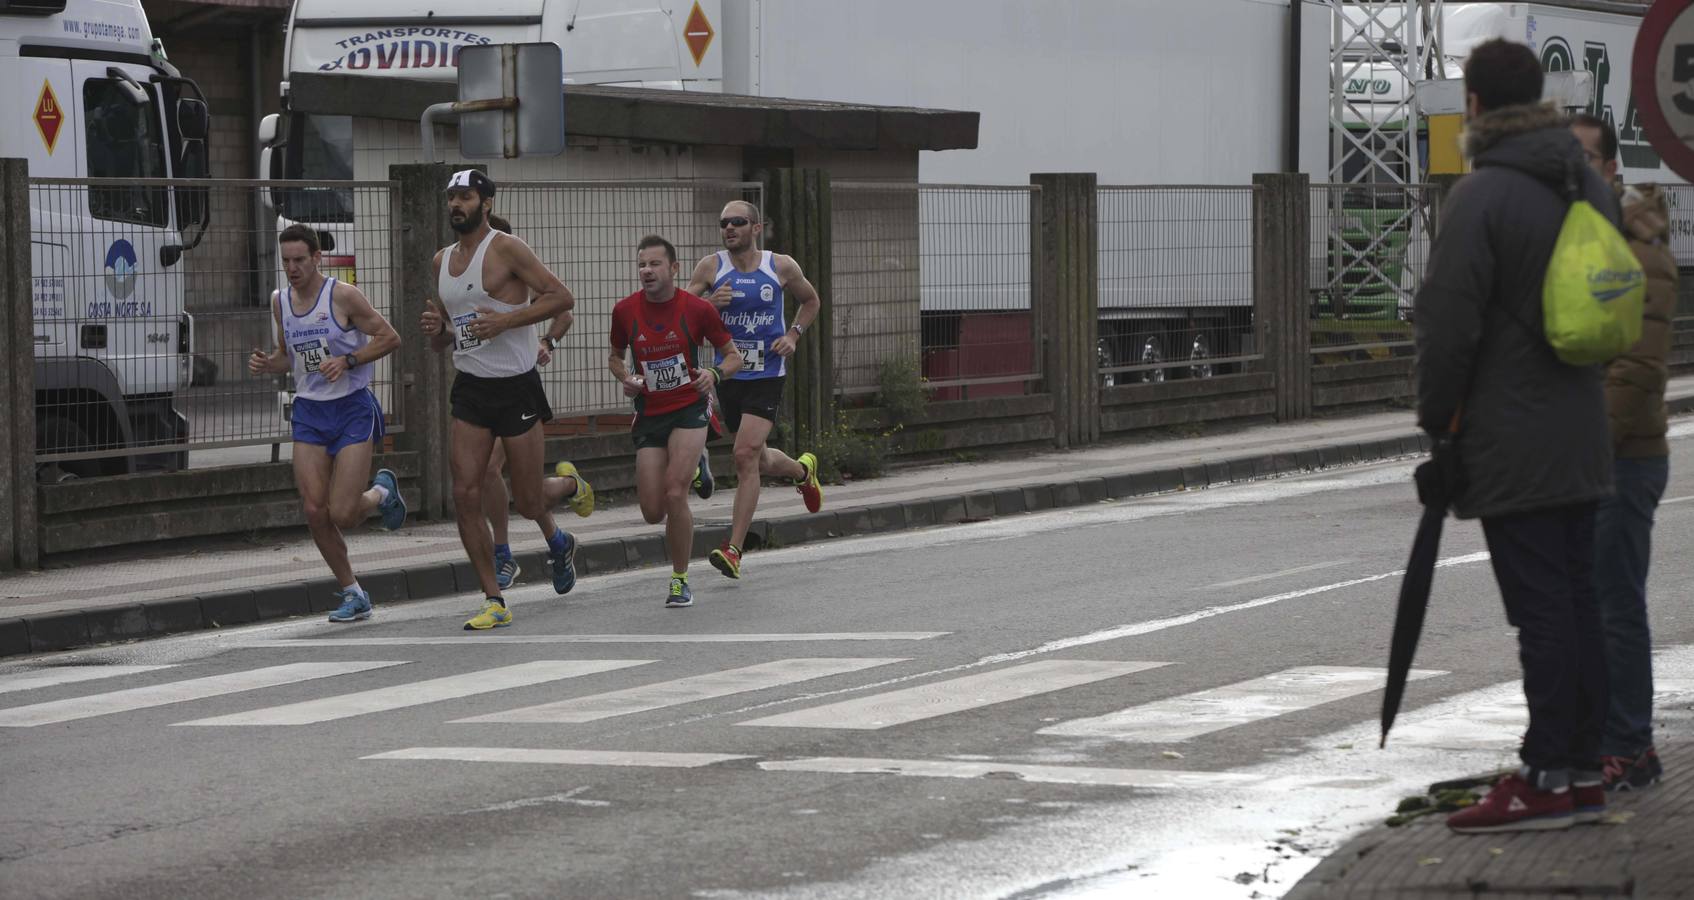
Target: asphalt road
(1175,696)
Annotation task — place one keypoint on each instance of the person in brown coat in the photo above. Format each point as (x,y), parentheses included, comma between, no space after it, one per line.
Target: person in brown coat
(1623,528)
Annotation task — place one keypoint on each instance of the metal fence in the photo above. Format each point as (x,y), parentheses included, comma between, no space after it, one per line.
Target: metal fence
(1370,244)
(1175,282)
(937,276)
(586,233)
(144,327)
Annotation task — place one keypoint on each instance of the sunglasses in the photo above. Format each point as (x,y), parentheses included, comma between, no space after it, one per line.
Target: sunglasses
(737,221)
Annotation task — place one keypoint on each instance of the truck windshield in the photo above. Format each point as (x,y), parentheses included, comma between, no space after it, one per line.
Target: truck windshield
(320,149)
(124,140)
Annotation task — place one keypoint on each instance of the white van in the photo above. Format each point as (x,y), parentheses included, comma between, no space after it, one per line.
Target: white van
(91,95)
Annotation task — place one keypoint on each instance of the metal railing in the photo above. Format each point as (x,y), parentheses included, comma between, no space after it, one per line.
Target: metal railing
(1369,247)
(586,232)
(936,276)
(1175,282)
(143,329)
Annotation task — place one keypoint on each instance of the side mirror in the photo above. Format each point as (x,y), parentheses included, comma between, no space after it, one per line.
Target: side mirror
(170,254)
(192,120)
(268,127)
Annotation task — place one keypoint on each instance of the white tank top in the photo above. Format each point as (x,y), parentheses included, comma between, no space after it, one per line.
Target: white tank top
(511,352)
(316,337)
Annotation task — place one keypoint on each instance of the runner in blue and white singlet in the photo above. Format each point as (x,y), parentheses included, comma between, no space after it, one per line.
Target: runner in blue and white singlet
(315,337)
(754,316)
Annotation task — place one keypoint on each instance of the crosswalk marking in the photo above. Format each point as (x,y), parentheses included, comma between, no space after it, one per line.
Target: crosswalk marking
(561,757)
(30,679)
(682,690)
(1203,712)
(1495,718)
(487,640)
(947,768)
(418,693)
(954,695)
(179,692)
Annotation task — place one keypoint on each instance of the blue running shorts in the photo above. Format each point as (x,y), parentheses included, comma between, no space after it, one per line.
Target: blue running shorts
(334,424)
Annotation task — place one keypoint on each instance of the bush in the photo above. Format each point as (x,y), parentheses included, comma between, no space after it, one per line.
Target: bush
(843,451)
(902,388)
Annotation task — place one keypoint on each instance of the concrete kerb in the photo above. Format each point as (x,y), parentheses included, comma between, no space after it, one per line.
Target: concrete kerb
(67,630)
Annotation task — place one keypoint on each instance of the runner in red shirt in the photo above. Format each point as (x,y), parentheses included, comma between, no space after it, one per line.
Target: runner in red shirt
(664,328)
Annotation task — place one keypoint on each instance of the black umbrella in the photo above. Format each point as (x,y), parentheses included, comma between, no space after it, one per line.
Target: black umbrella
(1436,480)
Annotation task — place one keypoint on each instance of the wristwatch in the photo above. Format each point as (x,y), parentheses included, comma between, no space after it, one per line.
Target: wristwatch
(351,360)
(548,340)
(798,328)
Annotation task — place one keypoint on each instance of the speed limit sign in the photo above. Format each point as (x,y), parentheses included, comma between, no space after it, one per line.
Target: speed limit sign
(1663,82)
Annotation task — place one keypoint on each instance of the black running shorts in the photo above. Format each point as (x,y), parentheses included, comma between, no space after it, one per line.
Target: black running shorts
(760,397)
(506,406)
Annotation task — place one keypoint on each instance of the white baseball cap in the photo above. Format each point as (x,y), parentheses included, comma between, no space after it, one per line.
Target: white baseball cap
(472,179)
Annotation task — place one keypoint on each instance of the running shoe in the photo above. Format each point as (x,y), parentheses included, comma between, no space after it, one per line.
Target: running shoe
(1516,805)
(355,606)
(393,509)
(679,594)
(506,571)
(564,564)
(727,559)
(809,489)
(704,483)
(494,615)
(581,502)
(1631,773)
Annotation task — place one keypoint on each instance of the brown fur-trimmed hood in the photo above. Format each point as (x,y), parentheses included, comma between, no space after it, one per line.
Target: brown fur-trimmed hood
(1535,140)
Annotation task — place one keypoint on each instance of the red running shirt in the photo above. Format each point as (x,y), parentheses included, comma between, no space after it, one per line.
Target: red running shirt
(666,338)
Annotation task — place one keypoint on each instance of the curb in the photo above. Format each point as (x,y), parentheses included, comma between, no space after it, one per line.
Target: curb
(72,629)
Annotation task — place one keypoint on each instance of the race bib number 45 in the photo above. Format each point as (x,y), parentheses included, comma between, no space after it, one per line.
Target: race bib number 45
(752,355)
(312,354)
(666,374)
(461,328)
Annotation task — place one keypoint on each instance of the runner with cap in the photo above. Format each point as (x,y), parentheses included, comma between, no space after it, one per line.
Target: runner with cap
(485,315)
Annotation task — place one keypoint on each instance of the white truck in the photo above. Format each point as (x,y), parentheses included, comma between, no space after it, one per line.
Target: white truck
(91,95)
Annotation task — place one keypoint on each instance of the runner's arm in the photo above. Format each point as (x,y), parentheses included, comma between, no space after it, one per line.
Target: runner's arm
(796,285)
(700,280)
(383,338)
(434,318)
(551,297)
(616,364)
(275,362)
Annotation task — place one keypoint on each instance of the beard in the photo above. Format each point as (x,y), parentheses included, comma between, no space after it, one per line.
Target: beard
(471,222)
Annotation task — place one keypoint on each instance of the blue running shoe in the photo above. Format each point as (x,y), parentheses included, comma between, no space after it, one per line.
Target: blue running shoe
(564,564)
(506,571)
(355,606)
(393,509)
(679,594)
(703,480)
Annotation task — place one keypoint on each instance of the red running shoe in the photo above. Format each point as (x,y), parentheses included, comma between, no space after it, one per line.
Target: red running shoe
(1515,805)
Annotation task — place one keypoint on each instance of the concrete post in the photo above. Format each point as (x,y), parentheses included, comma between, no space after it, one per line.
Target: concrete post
(797,216)
(423,230)
(20,539)
(1066,269)
(1282,212)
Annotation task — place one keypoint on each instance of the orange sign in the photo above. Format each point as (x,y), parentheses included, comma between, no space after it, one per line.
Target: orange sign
(48,117)
(698,33)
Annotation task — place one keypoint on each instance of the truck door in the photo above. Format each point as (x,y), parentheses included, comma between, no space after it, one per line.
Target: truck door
(47,133)
(134,291)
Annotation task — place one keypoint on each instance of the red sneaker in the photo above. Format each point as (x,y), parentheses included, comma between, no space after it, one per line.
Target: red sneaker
(1515,805)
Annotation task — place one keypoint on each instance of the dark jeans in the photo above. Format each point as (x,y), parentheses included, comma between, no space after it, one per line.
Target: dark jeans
(1544,562)
(1623,540)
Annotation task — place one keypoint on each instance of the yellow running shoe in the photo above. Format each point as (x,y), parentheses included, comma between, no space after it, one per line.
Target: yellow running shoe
(581,502)
(809,489)
(494,615)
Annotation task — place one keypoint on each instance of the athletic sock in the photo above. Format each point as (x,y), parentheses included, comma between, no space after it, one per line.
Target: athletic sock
(381,493)
(557,540)
(680,576)
(354,587)
(502,551)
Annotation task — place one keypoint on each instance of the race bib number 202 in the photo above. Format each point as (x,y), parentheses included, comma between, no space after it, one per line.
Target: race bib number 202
(666,374)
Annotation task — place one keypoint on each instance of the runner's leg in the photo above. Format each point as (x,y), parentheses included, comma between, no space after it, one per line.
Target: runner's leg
(525,452)
(650,466)
(312,473)
(683,455)
(468,450)
(496,505)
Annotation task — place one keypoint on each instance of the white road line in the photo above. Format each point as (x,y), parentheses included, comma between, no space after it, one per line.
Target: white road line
(1494,718)
(940,698)
(561,757)
(1675,500)
(179,692)
(417,693)
(1297,570)
(1091,775)
(31,679)
(682,690)
(1203,712)
(596,639)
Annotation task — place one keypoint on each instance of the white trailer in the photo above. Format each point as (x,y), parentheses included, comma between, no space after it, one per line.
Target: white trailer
(91,95)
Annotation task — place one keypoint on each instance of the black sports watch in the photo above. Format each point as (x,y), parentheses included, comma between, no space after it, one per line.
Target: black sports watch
(351,360)
(548,340)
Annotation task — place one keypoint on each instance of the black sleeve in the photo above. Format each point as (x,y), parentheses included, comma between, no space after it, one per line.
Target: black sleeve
(1448,309)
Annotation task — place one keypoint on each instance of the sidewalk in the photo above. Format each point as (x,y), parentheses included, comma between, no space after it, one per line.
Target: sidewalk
(1638,850)
(94,603)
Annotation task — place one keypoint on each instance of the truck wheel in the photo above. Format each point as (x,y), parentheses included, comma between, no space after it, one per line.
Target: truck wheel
(1200,357)
(1151,352)
(57,434)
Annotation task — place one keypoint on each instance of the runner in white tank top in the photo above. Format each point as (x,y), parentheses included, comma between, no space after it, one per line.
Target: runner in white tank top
(331,347)
(485,314)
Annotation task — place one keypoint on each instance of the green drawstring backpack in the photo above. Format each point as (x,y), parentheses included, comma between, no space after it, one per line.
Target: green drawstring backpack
(1595,293)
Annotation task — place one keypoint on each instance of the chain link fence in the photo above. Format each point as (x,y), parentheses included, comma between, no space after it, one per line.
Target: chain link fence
(1176,282)
(937,277)
(143,329)
(586,233)
(1370,244)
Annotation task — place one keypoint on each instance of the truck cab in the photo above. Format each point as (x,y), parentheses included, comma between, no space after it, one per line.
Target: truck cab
(92,96)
